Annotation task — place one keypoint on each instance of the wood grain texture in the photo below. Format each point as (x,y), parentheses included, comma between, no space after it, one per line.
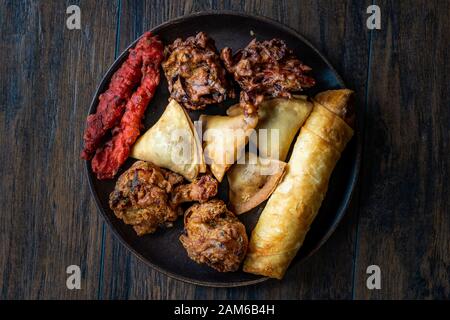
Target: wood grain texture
(327,274)
(399,216)
(404,215)
(47,76)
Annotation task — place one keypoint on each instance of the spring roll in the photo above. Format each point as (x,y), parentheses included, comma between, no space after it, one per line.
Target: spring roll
(290,211)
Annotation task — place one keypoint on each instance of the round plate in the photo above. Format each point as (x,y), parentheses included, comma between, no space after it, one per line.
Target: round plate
(162,250)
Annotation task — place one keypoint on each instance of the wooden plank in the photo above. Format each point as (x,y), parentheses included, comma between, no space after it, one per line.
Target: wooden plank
(338,30)
(404,220)
(48,76)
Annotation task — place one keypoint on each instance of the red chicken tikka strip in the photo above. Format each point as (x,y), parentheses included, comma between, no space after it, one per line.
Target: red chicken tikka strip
(112,102)
(114,153)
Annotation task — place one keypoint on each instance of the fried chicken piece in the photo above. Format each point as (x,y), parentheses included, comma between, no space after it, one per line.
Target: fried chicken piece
(266,69)
(201,189)
(147,196)
(141,197)
(214,236)
(195,73)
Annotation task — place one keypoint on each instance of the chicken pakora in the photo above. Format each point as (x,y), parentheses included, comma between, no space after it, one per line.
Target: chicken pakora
(266,69)
(148,197)
(195,73)
(213,235)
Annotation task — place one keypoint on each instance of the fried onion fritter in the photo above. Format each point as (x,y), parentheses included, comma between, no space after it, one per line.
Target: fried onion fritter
(195,73)
(147,196)
(201,189)
(266,69)
(213,235)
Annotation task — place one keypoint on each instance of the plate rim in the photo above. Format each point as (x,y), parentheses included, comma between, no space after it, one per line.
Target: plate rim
(339,215)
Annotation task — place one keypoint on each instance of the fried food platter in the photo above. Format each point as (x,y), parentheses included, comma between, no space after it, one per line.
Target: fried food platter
(162,249)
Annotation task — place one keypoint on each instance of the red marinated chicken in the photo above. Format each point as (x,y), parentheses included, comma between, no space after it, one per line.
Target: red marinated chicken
(112,102)
(113,154)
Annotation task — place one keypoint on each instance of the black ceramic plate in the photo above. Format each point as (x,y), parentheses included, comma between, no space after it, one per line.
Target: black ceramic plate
(162,250)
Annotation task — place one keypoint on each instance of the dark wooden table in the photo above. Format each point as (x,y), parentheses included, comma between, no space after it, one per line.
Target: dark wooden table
(400,215)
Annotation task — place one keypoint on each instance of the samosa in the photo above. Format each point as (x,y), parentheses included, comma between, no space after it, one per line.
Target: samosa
(252,182)
(172,143)
(279,121)
(224,139)
(280,114)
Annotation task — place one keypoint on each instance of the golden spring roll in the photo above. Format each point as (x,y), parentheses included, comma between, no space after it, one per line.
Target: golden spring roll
(291,209)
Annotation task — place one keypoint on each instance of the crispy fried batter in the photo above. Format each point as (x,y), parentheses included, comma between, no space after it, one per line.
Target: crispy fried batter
(148,197)
(266,68)
(142,197)
(214,236)
(195,73)
(201,189)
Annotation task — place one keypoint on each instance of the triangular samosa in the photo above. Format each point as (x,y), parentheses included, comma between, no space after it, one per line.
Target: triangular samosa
(253,182)
(279,121)
(285,115)
(172,143)
(224,139)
